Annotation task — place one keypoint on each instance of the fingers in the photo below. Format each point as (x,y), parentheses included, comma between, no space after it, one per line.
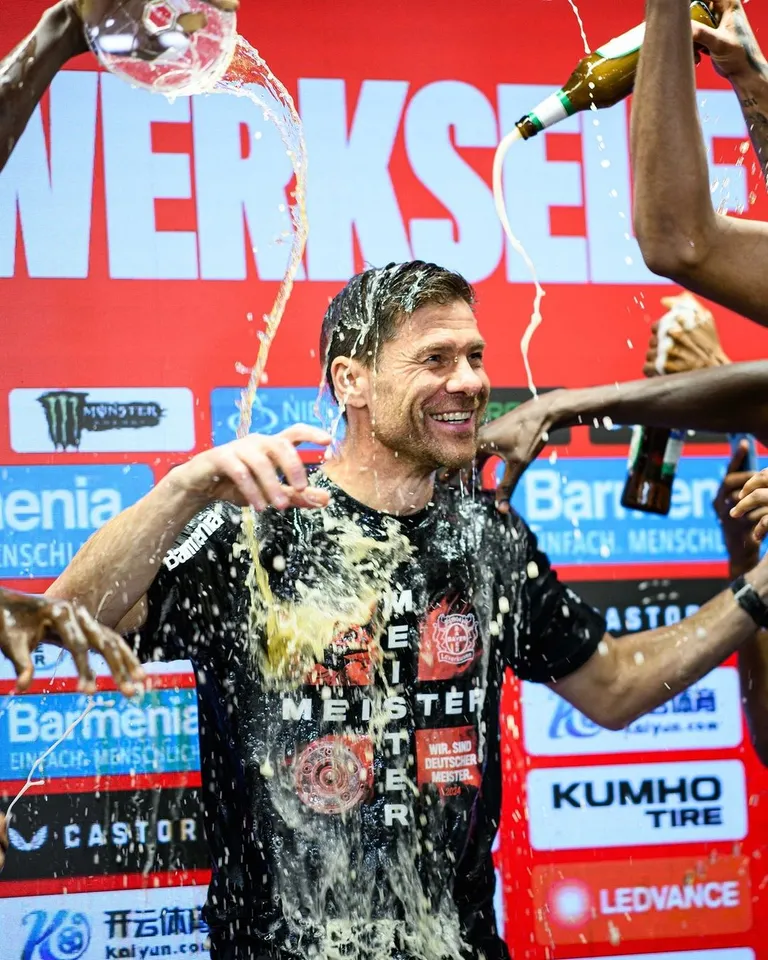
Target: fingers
(63,621)
(122,662)
(755,500)
(253,463)
(757,481)
(760,530)
(17,648)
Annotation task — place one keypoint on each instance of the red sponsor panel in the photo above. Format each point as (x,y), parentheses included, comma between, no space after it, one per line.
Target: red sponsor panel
(447,758)
(641,899)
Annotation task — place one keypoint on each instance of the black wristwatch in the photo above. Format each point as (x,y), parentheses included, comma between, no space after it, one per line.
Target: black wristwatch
(749,600)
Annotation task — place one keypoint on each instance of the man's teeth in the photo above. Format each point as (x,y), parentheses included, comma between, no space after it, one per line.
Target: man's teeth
(453,417)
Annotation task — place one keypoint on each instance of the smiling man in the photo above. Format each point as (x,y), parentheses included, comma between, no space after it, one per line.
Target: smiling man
(351,640)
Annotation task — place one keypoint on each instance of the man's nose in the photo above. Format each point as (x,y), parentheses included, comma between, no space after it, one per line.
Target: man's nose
(464,378)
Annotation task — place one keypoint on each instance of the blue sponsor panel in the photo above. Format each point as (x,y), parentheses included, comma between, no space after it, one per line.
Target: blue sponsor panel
(274,409)
(706,716)
(574,506)
(154,734)
(48,512)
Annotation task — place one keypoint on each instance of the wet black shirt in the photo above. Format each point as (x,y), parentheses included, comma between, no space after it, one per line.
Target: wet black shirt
(349,729)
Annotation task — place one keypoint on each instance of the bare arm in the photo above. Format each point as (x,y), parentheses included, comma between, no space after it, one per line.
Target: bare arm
(627,678)
(680,234)
(731,398)
(27,71)
(111,573)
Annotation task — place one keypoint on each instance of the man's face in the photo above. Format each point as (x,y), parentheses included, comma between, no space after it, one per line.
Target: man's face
(428,390)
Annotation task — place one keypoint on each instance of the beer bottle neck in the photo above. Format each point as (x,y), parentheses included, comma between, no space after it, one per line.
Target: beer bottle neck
(555,108)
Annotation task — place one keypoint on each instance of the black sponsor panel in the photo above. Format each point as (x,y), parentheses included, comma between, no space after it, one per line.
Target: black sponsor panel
(504,399)
(620,436)
(633,605)
(93,834)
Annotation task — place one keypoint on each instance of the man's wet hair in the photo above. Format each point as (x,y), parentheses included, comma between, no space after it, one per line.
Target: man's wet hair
(367,313)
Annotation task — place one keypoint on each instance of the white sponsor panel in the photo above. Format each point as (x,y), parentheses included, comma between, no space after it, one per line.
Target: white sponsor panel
(706,716)
(635,805)
(52,663)
(723,953)
(97,926)
(102,419)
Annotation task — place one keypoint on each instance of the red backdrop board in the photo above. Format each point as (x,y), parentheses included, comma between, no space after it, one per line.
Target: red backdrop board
(138,255)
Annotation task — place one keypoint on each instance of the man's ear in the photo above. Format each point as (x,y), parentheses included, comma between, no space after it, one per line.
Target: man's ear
(350,382)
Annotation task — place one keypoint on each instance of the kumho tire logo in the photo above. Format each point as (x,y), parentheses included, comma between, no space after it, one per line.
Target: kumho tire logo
(102,420)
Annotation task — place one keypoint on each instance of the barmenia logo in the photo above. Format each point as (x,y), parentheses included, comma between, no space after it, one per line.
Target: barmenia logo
(102,420)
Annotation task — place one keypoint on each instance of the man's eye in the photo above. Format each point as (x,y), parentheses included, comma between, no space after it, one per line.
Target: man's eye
(434,358)
(476,358)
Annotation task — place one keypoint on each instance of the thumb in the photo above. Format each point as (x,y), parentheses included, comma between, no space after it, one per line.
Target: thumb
(738,457)
(506,485)
(705,36)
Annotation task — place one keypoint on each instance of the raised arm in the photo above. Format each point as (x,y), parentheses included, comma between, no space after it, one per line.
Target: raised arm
(680,234)
(27,71)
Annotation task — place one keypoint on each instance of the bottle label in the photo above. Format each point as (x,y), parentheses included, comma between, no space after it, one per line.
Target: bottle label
(551,111)
(629,42)
(634,447)
(672,453)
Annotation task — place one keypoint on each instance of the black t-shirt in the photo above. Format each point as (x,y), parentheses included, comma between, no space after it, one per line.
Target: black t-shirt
(349,716)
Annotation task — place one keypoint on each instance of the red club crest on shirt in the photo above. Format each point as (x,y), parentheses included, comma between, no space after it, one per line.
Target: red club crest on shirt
(450,640)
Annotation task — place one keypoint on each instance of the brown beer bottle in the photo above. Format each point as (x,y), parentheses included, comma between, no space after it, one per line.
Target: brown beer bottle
(653,456)
(602,78)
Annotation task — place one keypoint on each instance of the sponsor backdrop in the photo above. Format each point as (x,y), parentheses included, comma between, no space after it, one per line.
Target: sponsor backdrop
(141,242)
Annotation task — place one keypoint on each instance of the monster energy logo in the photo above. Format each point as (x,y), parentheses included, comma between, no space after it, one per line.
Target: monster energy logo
(68,414)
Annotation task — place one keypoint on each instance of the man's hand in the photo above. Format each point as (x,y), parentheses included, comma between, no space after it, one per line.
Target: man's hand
(742,550)
(693,347)
(732,45)
(518,437)
(25,621)
(245,472)
(3,840)
(752,504)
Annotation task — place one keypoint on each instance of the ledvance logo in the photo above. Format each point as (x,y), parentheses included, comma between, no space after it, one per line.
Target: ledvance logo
(641,899)
(47,513)
(574,506)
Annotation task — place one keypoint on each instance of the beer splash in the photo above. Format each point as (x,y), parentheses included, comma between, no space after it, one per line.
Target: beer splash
(501,209)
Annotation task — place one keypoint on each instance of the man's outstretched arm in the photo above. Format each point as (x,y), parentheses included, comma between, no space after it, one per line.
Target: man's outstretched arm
(27,71)
(731,399)
(680,235)
(627,678)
